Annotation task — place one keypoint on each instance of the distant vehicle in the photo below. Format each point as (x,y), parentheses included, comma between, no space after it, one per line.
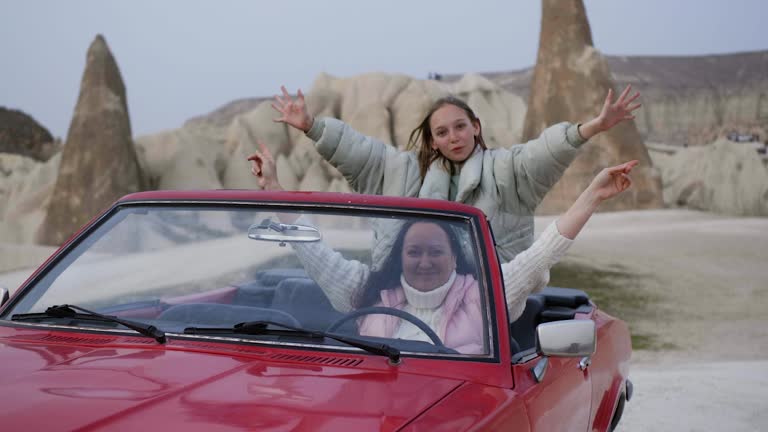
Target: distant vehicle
(191,311)
(739,137)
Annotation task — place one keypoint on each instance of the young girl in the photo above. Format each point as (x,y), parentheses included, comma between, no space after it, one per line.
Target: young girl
(447,159)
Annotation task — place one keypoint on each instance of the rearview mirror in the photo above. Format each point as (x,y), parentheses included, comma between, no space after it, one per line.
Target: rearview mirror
(571,338)
(268,230)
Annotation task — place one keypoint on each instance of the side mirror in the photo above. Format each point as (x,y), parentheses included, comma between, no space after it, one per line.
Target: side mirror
(571,338)
(4,295)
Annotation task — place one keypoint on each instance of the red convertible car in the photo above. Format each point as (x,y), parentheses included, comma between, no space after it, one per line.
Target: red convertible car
(249,310)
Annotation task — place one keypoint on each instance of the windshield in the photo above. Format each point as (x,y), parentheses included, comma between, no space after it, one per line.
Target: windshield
(411,281)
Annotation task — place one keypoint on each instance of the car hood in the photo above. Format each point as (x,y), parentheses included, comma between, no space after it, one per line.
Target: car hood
(50,386)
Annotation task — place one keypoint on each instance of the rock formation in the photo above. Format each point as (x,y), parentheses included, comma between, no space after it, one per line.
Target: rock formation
(724,177)
(384,106)
(209,152)
(24,195)
(21,134)
(569,83)
(688,100)
(99,162)
(242,136)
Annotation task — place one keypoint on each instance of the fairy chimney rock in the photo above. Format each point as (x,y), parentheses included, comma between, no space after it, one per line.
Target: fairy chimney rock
(99,162)
(570,82)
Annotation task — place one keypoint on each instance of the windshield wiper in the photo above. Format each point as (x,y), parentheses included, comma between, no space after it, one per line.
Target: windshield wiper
(261,328)
(70,311)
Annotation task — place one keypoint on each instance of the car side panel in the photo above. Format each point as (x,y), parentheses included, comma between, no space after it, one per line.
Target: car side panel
(475,407)
(609,368)
(561,401)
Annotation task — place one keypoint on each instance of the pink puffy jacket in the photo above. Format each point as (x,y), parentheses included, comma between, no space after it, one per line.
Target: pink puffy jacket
(461,323)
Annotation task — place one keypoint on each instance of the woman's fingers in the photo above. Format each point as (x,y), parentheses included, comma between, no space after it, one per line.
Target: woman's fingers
(257,162)
(265,153)
(256,157)
(623,168)
(629,165)
(626,182)
(300,95)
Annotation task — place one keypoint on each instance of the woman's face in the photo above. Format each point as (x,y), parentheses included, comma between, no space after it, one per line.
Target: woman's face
(453,133)
(428,260)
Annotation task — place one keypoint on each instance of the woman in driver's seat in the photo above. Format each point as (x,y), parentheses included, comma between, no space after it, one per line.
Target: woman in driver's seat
(426,274)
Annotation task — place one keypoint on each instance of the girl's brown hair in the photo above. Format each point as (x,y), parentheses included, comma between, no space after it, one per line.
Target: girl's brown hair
(423,133)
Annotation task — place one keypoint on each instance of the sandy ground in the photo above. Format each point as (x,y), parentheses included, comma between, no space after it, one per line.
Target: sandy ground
(693,396)
(709,276)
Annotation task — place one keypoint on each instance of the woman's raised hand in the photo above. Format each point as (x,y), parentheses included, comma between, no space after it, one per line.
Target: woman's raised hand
(293,112)
(608,183)
(264,168)
(612,181)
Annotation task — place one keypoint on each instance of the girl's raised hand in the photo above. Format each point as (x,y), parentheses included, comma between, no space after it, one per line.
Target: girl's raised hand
(293,112)
(616,112)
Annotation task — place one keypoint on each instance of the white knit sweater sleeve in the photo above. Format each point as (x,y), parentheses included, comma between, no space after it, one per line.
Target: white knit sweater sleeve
(528,272)
(339,278)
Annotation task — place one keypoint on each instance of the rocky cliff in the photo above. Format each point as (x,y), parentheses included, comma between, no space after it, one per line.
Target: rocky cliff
(686,100)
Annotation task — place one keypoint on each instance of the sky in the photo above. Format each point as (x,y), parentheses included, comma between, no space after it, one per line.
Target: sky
(183,58)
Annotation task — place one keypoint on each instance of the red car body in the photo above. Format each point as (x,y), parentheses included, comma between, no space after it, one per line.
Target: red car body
(56,378)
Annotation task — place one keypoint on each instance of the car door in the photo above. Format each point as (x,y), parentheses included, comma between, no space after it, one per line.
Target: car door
(562,400)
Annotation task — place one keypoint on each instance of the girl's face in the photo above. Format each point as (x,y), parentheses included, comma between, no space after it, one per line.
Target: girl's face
(453,133)
(428,260)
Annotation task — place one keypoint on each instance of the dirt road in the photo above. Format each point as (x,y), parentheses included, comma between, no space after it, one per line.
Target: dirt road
(690,396)
(708,275)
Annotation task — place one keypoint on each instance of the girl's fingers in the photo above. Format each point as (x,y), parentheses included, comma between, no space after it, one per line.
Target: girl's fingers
(608,98)
(285,93)
(625,92)
(634,107)
(635,96)
(301,95)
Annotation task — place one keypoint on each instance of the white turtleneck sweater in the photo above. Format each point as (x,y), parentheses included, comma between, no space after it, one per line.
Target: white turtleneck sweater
(424,305)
